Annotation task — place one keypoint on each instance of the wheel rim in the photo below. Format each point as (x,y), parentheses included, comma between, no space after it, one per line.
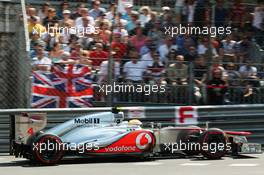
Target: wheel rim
(52,152)
(214,138)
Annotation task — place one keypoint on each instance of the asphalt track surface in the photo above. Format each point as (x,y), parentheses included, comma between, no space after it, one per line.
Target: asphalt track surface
(247,165)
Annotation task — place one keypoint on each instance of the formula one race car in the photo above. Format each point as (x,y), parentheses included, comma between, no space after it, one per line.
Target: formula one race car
(107,134)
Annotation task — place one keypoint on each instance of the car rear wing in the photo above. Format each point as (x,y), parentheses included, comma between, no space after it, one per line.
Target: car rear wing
(27,124)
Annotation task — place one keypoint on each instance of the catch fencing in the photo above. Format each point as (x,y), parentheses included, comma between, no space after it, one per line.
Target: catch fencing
(15,69)
(182,88)
(178,83)
(234,117)
(14,63)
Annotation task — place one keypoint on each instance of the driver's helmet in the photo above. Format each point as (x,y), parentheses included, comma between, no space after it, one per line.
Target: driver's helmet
(135,122)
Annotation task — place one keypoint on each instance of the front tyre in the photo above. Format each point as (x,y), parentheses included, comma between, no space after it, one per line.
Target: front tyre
(47,149)
(213,142)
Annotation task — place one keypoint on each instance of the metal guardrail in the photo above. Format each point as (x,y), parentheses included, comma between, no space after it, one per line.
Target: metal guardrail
(235,117)
(4,133)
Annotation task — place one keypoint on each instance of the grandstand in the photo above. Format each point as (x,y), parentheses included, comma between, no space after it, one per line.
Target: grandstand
(132,48)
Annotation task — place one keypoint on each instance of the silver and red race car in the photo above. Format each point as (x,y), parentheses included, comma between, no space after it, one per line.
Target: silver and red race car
(107,134)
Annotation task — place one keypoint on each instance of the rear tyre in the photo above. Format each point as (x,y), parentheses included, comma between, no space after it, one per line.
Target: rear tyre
(213,142)
(47,149)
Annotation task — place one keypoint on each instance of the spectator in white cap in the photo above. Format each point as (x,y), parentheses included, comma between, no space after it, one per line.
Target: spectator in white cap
(63,6)
(166,11)
(127,14)
(133,23)
(128,5)
(144,16)
(66,19)
(66,12)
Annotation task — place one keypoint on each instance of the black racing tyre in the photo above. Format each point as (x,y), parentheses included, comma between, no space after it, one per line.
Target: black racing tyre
(190,138)
(213,143)
(47,149)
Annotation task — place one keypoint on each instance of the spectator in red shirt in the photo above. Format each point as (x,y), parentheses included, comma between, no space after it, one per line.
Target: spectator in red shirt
(118,46)
(98,55)
(75,50)
(138,40)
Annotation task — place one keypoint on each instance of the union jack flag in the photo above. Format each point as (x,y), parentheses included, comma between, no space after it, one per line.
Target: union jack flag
(66,86)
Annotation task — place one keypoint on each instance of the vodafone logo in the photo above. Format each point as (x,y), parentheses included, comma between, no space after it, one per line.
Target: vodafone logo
(143,140)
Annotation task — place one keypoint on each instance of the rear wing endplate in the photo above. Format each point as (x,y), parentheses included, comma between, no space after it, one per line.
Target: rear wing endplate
(28,123)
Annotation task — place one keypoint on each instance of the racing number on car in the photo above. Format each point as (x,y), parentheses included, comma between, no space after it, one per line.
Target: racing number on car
(186,115)
(143,140)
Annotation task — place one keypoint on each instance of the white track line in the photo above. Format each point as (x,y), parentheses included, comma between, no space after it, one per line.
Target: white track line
(195,164)
(148,163)
(243,165)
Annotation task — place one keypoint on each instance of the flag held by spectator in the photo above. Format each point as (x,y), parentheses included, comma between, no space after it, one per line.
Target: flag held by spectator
(65,86)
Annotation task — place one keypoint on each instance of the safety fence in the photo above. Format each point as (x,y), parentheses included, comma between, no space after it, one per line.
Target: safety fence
(180,82)
(234,117)
(14,63)
(136,2)
(151,3)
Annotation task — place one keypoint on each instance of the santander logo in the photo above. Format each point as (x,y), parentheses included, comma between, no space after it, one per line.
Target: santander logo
(143,140)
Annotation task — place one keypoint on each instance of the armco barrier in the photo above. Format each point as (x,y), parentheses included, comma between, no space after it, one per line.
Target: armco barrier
(236,118)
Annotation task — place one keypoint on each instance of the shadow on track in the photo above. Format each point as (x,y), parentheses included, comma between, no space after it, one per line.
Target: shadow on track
(245,157)
(98,160)
(27,163)
(201,158)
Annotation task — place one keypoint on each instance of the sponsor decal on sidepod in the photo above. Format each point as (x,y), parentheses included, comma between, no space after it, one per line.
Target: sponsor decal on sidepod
(140,141)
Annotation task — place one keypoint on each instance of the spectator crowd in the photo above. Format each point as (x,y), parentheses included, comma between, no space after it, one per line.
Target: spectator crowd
(209,70)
